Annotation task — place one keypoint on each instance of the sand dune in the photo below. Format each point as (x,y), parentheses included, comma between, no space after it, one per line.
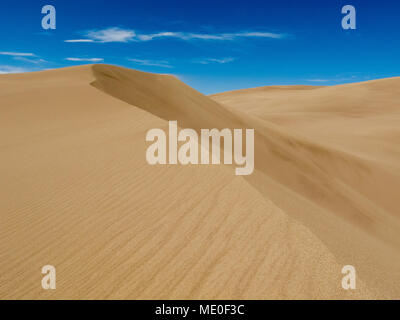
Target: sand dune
(331,161)
(77,192)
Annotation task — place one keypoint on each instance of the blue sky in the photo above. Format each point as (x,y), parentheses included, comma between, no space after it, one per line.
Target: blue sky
(213,46)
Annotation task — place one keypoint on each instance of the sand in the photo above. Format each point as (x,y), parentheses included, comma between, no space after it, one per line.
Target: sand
(77,193)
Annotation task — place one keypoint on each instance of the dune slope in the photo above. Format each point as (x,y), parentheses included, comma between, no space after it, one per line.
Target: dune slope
(333,163)
(347,198)
(77,193)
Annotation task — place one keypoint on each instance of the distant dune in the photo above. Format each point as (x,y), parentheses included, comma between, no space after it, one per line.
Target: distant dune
(77,193)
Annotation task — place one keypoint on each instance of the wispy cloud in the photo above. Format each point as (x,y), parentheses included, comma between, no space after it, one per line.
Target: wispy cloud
(153,63)
(35,61)
(107,35)
(208,36)
(24,57)
(85,59)
(112,35)
(79,40)
(17,54)
(152,36)
(126,35)
(12,69)
(214,60)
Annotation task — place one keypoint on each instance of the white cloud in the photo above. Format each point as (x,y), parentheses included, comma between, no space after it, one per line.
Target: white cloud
(148,37)
(85,59)
(153,63)
(107,35)
(35,61)
(22,56)
(11,69)
(213,60)
(111,35)
(17,54)
(260,35)
(206,36)
(125,35)
(190,36)
(79,40)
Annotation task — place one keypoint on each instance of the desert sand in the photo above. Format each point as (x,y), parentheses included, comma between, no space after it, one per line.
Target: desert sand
(77,193)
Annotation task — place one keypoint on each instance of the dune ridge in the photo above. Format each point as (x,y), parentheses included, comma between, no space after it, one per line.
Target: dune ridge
(80,195)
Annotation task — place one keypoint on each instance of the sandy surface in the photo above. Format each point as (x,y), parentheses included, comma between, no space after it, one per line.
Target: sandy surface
(77,193)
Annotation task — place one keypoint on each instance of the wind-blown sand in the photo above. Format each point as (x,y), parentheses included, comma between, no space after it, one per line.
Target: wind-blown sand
(77,193)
